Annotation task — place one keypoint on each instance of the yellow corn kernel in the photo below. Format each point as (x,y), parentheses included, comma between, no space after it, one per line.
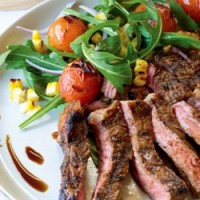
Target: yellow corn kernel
(31,95)
(167,48)
(96,38)
(143,63)
(52,89)
(143,74)
(35,109)
(26,106)
(38,42)
(17,83)
(17,95)
(100,16)
(139,81)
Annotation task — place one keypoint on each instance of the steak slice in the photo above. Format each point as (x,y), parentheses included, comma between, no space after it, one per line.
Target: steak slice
(73,140)
(114,150)
(109,90)
(185,70)
(171,138)
(155,178)
(166,85)
(194,100)
(189,119)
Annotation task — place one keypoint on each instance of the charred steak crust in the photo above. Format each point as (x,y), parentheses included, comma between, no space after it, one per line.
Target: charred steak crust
(149,170)
(114,146)
(171,138)
(73,140)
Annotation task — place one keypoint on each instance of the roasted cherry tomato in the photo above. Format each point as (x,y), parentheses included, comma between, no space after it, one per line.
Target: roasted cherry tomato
(192,8)
(80,81)
(65,30)
(168,22)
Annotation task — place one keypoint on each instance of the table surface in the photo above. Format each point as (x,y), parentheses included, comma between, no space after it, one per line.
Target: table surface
(11,10)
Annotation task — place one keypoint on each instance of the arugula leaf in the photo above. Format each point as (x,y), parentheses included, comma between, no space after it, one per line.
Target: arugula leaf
(115,69)
(3,57)
(38,81)
(184,20)
(21,53)
(111,44)
(139,22)
(53,103)
(64,54)
(179,40)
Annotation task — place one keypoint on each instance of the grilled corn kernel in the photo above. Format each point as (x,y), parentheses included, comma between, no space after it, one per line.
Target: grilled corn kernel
(17,95)
(100,16)
(142,75)
(31,95)
(26,106)
(167,48)
(16,83)
(139,81)
(141,63)
(96,38)
(52,89)
(35,109)
(38,42)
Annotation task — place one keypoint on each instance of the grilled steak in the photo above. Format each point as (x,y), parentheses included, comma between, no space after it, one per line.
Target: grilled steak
(194,100)
(171,138)
(73,140)
(189,119)
(183,69)
(166,85)
(155,178)
(109,90)
(114,148)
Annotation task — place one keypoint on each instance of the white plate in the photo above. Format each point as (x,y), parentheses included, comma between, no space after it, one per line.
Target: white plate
(37,135)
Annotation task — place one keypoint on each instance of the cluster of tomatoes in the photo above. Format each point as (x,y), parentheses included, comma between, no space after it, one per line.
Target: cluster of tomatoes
(80,80)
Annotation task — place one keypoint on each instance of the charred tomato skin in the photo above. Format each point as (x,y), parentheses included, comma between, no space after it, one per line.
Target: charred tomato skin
(80,81)
(168,21)
(192,8)
(65,30)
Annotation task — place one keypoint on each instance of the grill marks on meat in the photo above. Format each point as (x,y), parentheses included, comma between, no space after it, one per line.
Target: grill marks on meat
(115,148)
(185,71)
(73,140)
(156,179)
(174,77)
(189,119)
(171,138)
(167,86)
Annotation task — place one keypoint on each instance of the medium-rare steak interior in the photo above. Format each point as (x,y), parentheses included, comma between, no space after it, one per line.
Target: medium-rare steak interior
(189,119)
(171,138)
(74,142)
(114,146)
(148,169)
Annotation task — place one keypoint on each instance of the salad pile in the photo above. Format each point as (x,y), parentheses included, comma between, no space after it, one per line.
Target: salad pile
(104,42)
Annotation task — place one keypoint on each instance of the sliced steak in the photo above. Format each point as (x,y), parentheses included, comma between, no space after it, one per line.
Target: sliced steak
(189,119)
(194,100)
(73,140)
(114,150)
(185,70)
(166,85)
(109,90)
(155,178)
(171,138)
